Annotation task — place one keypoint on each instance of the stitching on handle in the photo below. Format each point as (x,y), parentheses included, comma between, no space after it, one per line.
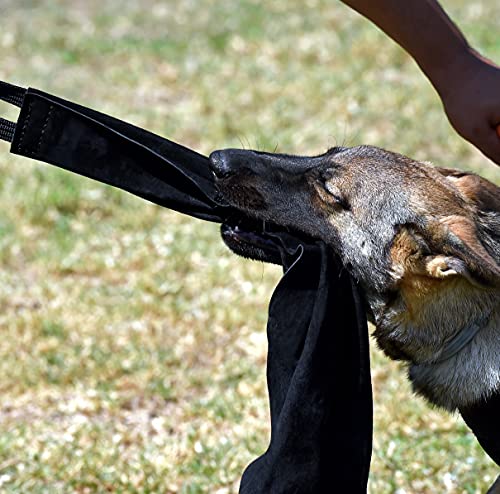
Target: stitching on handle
(44,128)
(23,130)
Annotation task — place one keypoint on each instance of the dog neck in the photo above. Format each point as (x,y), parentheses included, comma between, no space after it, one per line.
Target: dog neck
(470,376)
(462,339)
(451,369)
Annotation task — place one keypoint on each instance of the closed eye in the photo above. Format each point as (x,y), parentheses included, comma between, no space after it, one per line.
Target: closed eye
(341,201)
(335,197)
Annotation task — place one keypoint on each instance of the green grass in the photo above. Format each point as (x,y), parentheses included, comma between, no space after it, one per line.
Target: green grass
(132,356)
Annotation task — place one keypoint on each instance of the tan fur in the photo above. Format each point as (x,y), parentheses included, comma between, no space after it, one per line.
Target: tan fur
(478,191)
(435,301)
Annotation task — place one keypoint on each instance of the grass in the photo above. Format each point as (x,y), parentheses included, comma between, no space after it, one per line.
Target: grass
(132,357)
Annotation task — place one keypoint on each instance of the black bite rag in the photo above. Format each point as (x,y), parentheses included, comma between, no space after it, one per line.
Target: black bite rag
(318,368)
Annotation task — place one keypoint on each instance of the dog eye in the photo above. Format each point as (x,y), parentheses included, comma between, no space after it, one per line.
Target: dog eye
(339,200)
(334,195)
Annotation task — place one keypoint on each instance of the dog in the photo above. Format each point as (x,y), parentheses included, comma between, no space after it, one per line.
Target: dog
(423,243)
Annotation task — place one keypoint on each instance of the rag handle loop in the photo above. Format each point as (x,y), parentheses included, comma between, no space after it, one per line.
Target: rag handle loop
(13,95)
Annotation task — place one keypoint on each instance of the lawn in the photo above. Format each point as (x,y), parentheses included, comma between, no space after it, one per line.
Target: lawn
(132,349)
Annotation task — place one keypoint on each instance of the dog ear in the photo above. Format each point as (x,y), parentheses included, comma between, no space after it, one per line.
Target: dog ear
(461,253)
(441,266)
(465,248)
(483,194)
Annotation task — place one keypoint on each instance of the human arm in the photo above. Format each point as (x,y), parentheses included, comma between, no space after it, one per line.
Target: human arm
(468,84)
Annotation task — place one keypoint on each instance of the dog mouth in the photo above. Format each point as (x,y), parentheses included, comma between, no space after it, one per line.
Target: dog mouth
(251,239)
(260,240)
(245,234)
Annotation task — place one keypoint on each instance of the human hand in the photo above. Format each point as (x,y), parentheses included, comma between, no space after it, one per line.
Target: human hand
(471,99)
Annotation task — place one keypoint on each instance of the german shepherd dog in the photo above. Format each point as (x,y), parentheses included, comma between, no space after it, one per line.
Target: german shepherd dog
(423,242)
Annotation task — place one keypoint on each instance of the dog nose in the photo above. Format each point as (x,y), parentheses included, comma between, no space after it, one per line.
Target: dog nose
(220,164)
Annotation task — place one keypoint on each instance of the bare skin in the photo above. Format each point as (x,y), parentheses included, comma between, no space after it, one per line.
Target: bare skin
(468,84)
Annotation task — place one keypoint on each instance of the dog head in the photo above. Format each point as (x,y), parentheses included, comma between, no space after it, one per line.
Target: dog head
(407,231)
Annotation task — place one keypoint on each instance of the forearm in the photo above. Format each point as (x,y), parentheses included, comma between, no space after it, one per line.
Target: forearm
(467,83)
(425,31)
